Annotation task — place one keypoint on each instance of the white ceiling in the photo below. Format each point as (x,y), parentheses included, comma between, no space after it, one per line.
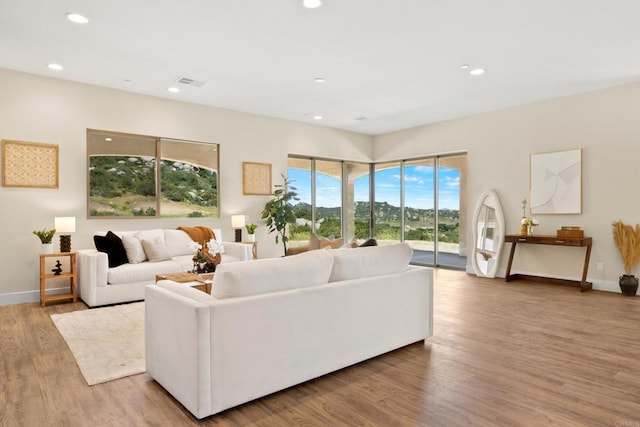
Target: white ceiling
(397,63)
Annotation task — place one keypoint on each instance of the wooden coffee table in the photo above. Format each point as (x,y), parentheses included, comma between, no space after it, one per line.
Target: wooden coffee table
(201,282)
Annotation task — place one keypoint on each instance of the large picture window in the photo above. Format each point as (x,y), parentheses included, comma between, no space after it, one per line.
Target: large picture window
(417,201)
(333,199)
(144,176)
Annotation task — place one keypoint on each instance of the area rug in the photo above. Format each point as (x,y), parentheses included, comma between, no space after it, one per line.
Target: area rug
(108,342)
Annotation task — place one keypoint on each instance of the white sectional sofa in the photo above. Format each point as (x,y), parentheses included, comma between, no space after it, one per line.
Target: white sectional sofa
(274,323)
(99,284)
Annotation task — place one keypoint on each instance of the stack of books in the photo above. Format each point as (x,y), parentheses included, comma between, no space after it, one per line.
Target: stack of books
(569,231)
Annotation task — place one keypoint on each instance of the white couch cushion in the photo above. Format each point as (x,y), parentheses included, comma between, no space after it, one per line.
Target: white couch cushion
(178,242)
(226,258)
(150,234)
(369,261)
(155,249)
(185,290)
(145,271)
(185,261)
(272,274)
(133,246)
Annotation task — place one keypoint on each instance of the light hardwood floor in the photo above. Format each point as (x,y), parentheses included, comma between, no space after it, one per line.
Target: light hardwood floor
(502,354)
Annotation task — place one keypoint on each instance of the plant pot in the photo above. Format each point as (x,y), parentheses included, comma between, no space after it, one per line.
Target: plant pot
(46,248)
(628,285)
(251,237)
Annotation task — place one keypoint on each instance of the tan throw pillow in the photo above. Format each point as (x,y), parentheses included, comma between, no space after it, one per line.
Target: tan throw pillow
(314,242)
(331,243)
(155,249)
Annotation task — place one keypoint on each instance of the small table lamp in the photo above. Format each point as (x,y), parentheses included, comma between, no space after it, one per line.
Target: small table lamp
(65,224)
(237,222)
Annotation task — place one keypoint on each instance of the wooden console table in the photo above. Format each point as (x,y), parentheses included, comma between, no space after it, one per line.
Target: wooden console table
(554,241)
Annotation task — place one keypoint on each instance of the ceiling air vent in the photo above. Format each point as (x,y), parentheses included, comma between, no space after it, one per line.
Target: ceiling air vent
(190,82)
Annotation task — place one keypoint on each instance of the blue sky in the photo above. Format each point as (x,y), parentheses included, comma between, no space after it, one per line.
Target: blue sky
(418,187)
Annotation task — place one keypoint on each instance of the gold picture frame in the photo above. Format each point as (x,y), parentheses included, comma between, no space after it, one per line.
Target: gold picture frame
(256,178)
(30,164)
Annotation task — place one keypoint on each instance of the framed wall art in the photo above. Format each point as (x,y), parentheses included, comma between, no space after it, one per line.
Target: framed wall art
(29,164)
(256,178)
(556,182)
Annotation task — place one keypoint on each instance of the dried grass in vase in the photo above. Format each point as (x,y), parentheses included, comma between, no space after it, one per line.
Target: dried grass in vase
(627,239)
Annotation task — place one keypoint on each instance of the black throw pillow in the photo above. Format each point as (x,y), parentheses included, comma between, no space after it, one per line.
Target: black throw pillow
(370,242)
(112,245)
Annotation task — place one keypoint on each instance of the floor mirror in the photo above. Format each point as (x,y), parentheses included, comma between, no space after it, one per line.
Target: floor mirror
(488,234)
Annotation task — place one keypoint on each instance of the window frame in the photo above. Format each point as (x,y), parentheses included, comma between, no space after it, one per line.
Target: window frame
(96,147)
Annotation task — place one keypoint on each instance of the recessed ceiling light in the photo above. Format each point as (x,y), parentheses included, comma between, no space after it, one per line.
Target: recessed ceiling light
(56,67)
(464,67)
(317,117)
(319,80)
(173,89)
(108,139)
(77,18)
(477,72)
(311,4)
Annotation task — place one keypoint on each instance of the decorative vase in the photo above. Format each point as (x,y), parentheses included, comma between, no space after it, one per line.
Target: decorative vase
(252,237)
(529,230)
(523,229)
(46,248)
(628,285)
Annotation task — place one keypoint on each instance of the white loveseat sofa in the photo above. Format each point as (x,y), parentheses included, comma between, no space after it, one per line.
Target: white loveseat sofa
(100,285)
(274,323)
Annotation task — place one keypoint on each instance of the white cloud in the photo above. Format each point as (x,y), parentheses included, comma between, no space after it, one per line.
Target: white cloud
(453,182)
(415,179)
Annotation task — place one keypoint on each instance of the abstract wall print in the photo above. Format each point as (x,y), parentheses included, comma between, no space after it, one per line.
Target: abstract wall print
(29,164)
(556,182)
(256,178)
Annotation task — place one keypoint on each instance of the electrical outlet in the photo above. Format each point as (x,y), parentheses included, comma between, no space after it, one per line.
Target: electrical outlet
(600,266)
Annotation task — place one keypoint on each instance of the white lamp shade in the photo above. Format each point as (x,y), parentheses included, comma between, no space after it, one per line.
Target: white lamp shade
(237,221)
(65,224)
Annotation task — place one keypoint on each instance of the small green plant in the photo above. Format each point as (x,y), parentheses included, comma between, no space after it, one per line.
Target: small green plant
(44,235)
(251,228)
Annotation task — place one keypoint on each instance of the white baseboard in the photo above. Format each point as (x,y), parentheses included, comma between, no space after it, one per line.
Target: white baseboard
(34,296)
(28,296)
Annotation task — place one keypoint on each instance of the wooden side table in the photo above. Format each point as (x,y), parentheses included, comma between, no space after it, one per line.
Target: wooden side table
(554,241)
(254,249)
(48,275)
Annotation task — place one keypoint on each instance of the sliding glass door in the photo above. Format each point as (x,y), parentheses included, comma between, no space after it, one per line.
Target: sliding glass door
(419,213)
(328,198)
(421,202)
(452,211)
(418,201)
(357,196)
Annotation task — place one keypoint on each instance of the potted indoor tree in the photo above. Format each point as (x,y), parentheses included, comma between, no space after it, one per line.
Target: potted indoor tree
(46,237)
(278,212)
(627,239)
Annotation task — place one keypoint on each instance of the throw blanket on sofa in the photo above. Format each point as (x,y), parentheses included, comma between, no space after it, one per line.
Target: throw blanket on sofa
(202,234)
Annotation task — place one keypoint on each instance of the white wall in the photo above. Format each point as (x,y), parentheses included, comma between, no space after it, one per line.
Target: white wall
(605,124)
(41,109)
